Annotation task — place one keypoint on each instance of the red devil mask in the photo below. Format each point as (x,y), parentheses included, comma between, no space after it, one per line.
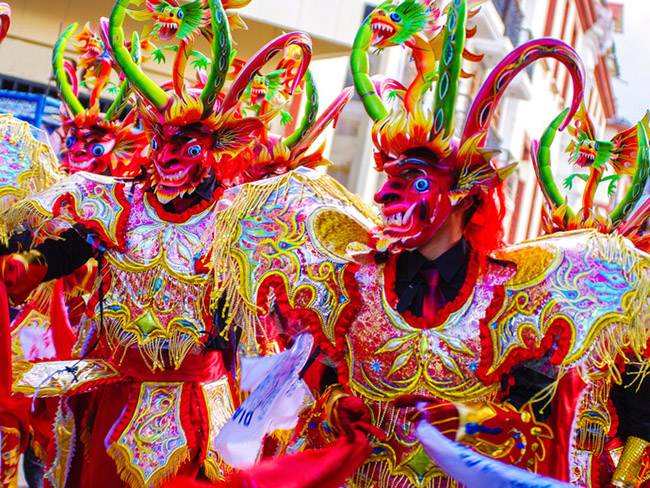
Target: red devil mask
(101,147)
(416,198)
(180,158)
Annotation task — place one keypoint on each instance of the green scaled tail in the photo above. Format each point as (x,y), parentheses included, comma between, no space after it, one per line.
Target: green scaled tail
(449,70)
(311,110)
(70,99)
(221,48)
(359,65)
(542,163)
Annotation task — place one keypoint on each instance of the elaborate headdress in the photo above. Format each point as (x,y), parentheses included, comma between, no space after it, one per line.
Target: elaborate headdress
(418,124)
(272,155)
(93,141)
(412,124)
(220,111)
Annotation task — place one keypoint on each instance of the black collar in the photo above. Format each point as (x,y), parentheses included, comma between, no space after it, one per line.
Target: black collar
(448,264)
(206,188)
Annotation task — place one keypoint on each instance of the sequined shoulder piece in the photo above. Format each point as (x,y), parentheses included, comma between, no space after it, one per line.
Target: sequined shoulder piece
(293,236)
(95,202)
(28,162)
(582,296)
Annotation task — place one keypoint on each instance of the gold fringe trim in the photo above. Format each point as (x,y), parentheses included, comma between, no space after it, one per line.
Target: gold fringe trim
(35,217)
(176,345)
(134,477)
(217,470)
(42,156)
(224,232)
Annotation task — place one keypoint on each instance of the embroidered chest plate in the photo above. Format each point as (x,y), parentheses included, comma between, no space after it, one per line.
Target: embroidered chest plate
(389,357)
(156,300)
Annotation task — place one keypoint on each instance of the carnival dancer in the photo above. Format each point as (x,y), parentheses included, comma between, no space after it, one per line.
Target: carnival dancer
(46,324)
(163,397)
(150,391)
(432,305)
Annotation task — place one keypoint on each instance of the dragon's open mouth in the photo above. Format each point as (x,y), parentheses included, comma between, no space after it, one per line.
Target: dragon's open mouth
(257,95)
(168,31)
(381,31)
(585,160)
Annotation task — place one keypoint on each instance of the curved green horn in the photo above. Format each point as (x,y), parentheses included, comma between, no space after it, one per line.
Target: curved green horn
(359,65)
(221,47)
(61,77)
(122,97)
(311,110)
(449,70)
(542,164)
(132,72)
(639,179)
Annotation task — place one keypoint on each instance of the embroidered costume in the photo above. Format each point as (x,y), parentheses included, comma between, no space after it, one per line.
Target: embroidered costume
(146,391)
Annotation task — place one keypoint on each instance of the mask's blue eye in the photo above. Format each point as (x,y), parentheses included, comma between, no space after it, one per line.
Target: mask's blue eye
(97,150)
(395,17)
(69,142)
(154,144)
(194,150)
(421,184)
(595,146)
(180,14)
(266,82)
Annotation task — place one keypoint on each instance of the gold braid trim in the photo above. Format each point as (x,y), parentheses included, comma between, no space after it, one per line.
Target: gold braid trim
(224,232)
(633,466)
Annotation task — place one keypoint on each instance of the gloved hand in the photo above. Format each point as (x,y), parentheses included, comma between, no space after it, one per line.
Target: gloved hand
(439,413)
(347,412)
(22,272)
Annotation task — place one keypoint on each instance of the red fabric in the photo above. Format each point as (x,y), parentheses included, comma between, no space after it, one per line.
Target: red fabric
(5,345)
(564,408)
(484,232)
(439,413)
(14,410)
(328,467)
(19,277)
(63,336)
(204,368)
(103,414)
